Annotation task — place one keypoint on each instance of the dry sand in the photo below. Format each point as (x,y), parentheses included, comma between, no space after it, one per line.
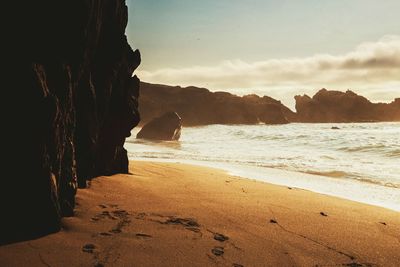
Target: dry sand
(169,214)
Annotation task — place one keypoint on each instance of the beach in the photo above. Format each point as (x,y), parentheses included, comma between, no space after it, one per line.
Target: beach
(358,162)
(172,214)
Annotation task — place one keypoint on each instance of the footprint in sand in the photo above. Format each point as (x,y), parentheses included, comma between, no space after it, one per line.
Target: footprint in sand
(143,236)
(218,251)
(193,229)
(105,234)
(103,215)
(124,220)
(355,264)
(88,248)
(220,237)
(115,214)
(120,213)
(187,222)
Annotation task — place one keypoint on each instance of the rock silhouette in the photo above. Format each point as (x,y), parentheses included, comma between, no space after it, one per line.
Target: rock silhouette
(199,106)
(166,127)
(73,101)
(336,106)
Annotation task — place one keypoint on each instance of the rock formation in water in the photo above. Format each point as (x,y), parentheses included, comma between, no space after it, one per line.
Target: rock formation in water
(199,106)
(72,101)
(336,106)
(166,127)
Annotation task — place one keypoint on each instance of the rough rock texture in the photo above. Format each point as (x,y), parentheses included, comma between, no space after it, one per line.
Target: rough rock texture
(166,127)
(335,106)
(73,101)
(199,106)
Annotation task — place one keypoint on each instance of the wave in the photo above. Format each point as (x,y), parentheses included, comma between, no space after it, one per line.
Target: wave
(366,154)
(327,157)
(382,183)
(267,137)
(382,149)
(168,144)
(393,154)
(359,178)
(366,148)
(333,174)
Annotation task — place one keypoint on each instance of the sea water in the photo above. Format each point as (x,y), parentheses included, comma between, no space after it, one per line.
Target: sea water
(358,161)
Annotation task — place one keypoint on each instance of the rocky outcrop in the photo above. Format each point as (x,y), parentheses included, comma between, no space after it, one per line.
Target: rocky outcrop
(199,106)
(336,106)
(166,127)
(72,101)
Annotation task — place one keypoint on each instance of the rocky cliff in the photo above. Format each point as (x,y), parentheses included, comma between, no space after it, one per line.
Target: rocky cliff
(72,101)
(336,106)
(199,106)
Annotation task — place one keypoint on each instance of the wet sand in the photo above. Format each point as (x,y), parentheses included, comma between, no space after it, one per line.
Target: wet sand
(168,214)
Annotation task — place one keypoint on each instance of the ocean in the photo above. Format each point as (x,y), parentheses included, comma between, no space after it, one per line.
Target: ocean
(358,161)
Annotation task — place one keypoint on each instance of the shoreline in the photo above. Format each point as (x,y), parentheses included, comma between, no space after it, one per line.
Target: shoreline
(329,186)
(316,159)
(174,214)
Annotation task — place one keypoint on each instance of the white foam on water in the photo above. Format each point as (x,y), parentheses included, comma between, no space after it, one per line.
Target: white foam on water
(360,161)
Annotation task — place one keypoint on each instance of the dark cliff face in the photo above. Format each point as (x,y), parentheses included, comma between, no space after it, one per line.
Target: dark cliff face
(335,106)
(199,106)
(72,100)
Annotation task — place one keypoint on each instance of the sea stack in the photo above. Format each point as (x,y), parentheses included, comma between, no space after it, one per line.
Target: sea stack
(166,127)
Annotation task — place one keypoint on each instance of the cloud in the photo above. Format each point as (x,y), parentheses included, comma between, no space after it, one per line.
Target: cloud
(372,69)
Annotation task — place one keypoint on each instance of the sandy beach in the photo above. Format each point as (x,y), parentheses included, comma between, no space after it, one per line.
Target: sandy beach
(168,214)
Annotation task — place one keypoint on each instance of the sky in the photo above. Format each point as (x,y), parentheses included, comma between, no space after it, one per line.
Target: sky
(278,48)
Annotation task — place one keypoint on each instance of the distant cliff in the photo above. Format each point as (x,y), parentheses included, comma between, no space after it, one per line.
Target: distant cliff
(335,106)
(199,106)
(71,102)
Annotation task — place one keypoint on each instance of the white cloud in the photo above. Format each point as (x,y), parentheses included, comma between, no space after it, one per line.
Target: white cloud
(371,69)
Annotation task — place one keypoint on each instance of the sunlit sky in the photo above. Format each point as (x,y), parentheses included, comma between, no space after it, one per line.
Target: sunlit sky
(278,48)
